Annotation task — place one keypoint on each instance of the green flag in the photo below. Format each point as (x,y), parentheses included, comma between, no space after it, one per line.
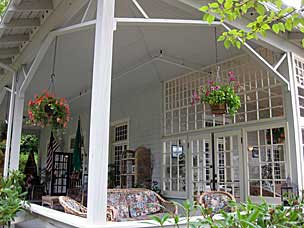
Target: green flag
(77,149)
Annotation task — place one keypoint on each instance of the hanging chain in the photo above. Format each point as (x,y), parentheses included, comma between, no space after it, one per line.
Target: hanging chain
(52,78)
(218,68)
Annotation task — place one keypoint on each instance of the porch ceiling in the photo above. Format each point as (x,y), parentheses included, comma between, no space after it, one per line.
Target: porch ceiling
(137,48)
(136,65)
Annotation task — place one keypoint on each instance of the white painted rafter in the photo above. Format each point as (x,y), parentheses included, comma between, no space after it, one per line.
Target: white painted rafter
(253,53)
(281,60)
(12,39)
(140,9)
(7,67)
(6,61)
(64,10)
(21,23)
(139,21)
(271,39)
(8,52)
(90,11)
(35,5)
(17,2)
(46,44)
(156,21)
(295,35)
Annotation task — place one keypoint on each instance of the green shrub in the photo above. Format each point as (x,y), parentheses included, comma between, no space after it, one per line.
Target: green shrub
(11,197)
(245,215)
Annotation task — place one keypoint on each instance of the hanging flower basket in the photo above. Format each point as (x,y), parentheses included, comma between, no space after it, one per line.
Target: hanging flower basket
(221,97)
(48,110)
(218,109)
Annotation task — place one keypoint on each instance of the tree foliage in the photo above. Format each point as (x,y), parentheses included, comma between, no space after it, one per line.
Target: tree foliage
(265,15)
(3,5)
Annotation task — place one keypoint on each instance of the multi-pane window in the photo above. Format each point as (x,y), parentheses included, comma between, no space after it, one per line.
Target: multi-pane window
(174,166)
(201,164)
(302,131)
(261,97)
(121,133)
(266,161)
(299,70)
(299,73)
(227,163)
(119,145)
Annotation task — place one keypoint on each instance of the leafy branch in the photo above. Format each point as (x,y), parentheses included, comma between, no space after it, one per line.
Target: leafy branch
(263,18)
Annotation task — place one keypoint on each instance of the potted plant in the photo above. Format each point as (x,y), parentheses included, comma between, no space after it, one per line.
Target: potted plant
(12,198)
(221,97)
(48,110)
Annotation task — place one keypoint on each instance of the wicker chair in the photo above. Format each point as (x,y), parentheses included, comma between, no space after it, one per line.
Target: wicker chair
(73,207)
(216,200)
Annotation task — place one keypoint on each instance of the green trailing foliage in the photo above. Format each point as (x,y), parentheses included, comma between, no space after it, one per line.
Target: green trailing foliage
(263,19)
(245,215)
(3,5)
(11,197)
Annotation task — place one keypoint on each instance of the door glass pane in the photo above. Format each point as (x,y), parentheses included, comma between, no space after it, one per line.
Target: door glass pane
(227,164)
(201,165)
(174,163)
(266,161)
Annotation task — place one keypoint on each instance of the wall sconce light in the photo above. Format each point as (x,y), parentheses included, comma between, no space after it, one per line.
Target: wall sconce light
(250,148)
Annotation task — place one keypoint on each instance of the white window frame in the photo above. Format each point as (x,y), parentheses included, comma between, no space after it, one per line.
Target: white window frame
(170,193)
(206,138)
(242,182)
(299,83)
(177,99)
(124,143)
(271,200)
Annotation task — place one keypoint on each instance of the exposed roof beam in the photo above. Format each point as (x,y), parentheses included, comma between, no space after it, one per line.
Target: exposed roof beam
(6,61)
(35,5)
(295,36)
(8,52)
(164,22)
(12,39)
(64,11)
(21,23)
(271,39)
(17,2)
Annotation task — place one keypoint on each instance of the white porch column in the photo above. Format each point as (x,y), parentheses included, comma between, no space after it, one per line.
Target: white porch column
(100,113)
(17,126)
(9,127)
(295,139)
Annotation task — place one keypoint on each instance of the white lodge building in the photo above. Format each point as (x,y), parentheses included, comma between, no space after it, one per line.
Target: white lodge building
(135,90)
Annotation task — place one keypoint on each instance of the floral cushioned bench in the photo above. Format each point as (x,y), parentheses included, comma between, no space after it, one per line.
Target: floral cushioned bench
(137,204)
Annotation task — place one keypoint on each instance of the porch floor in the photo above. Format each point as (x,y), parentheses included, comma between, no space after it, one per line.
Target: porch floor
(36,223)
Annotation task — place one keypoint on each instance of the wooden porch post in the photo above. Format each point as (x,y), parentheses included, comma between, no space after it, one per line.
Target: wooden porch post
(100,113)
(17,126)
(9,128)
(295,127)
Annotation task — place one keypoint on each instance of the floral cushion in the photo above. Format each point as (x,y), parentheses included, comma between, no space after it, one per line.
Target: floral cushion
(118,201)
(217,202)
(143,203)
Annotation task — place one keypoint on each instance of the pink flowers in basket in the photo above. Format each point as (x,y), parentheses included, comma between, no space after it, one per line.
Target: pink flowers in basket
(221,97)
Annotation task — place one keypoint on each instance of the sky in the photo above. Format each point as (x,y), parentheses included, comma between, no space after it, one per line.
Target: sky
(294,3)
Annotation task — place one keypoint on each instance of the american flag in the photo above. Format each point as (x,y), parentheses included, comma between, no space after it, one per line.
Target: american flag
(52,148)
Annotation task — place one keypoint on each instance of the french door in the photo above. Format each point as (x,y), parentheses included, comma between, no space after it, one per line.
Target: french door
(215,163)
(267,162)
(221,161)
(201,169)
(228,162)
